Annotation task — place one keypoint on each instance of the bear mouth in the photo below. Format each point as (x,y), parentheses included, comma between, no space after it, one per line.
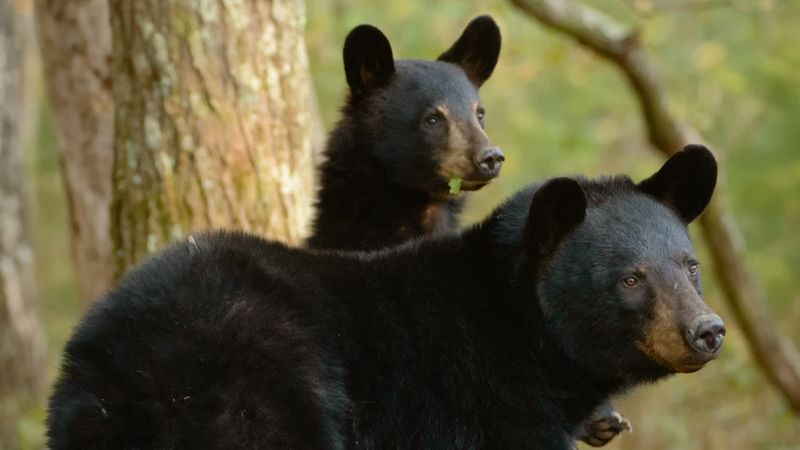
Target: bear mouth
(471,177)
(688,367)
(473,185)
(442,189)
(679,357)
(696,360)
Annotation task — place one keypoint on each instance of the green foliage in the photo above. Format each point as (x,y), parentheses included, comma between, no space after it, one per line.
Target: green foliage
(455,185)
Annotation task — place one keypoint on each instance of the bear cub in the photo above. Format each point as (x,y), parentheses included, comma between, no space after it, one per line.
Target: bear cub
(410,138)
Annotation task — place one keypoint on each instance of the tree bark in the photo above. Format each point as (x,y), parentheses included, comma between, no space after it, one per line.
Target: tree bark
(212,122)
(777,357)
(21,333)
(75,42)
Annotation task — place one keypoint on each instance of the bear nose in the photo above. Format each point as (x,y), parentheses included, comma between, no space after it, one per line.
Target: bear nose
(707,333)
(489,160)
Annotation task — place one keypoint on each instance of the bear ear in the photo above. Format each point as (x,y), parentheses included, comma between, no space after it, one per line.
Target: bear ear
(557,207)
(368,60)
(477,50)
(685,182)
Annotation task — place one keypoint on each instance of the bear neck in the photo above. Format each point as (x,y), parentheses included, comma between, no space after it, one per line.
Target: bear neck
(562,387)
(360,208)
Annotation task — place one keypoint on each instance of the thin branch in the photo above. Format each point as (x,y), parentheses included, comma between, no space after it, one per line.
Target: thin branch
(775,355)
(653,9)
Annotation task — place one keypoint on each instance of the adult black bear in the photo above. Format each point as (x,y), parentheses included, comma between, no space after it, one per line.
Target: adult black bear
(505,336)
(408,128)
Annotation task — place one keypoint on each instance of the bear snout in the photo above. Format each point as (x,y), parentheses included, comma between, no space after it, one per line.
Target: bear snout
(475,168)
(488,161)
(706,333)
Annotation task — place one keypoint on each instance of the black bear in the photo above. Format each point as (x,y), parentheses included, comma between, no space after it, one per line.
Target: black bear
(410,138)
(508,335)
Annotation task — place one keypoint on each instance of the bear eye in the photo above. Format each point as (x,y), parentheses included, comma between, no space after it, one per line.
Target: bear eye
(432,120)
(693,268)
(630,281)
(480,113)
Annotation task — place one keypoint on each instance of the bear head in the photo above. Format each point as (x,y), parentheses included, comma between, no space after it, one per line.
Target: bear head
(424,119)
(618,281)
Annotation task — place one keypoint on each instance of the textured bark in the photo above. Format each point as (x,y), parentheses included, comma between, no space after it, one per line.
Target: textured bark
(75,41)
(776,355)
(21,334)
(212,122)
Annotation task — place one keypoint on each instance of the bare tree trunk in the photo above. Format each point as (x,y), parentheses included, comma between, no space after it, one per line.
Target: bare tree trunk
(75,42)
(21,333)
(318,133)
(212,123)
(776,355)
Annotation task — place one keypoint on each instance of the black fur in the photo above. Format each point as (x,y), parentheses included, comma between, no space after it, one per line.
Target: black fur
(407,128)
(465,341)
(688,196)
(368,60)
(477,50)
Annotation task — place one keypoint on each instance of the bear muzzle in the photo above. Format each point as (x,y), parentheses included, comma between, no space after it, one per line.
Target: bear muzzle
(706,333)
(488,161)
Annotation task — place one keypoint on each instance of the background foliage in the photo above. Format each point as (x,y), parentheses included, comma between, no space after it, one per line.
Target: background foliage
(731,68)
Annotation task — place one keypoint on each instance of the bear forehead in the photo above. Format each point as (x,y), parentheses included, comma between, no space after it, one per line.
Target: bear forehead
(634,225)
(433,80)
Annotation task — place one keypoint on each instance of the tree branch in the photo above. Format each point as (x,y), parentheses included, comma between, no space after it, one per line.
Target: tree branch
(775,355)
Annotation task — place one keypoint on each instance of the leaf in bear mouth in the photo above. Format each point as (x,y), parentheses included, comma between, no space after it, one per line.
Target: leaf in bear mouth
(455,185)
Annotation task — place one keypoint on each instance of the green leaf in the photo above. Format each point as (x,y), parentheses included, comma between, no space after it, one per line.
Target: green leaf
(455,185)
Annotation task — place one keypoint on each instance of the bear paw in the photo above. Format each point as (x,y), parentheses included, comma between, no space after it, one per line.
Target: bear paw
(604,426)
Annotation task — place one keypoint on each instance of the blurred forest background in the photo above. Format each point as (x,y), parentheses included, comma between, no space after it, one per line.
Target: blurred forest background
(731,69)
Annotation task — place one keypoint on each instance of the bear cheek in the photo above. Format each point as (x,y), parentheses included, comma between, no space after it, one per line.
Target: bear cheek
(453,165)
(663,341)
(452,150)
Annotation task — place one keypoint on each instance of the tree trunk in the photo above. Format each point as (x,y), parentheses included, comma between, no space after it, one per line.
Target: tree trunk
(21,336)
(212,123)
(776,355)
(75,42)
